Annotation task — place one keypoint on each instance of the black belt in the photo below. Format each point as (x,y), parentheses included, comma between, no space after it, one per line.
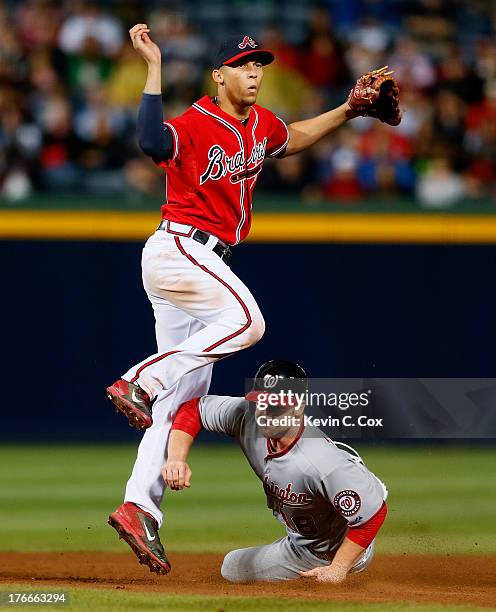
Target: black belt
(224,251)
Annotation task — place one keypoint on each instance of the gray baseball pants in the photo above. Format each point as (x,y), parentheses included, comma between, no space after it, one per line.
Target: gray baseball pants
(281,560)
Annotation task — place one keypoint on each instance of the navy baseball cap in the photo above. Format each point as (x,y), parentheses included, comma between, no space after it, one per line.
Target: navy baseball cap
(240,46)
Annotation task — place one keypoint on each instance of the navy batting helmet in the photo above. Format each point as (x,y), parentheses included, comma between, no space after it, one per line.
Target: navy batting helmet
(278,375)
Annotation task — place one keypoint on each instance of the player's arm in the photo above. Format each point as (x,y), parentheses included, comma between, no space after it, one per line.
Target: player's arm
(153,137)
(353,545)
(176,472)
(375,94)
(357,495)
(211,412)
(343,561)
(150,52)
(304,134)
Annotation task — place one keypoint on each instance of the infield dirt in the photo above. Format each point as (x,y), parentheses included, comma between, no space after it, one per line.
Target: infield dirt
(450,579)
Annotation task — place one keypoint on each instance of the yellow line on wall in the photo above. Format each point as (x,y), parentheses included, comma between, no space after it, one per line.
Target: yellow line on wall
(267,227)
(375,228)
(77,224)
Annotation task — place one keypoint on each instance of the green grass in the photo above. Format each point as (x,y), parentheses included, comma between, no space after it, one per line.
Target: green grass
(441,500)
(100,599)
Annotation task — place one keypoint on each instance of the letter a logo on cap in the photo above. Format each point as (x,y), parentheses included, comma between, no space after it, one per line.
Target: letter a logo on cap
(247,41)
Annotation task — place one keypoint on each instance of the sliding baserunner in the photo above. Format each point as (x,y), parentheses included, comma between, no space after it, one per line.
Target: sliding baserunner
(331,505)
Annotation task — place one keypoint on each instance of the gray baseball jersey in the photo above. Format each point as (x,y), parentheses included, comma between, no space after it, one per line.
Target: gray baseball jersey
(315,489)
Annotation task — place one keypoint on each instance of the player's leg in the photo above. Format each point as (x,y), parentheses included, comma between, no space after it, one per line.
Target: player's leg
(139,518)
(281,560)
(194,279)
(146,485)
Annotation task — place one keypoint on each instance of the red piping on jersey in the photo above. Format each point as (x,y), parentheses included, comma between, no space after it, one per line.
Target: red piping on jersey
(215,110)
(246,186)
(229,288)
(364,534)
(187,418)
(175,137)
(274,455)
(235,126)
(284,146)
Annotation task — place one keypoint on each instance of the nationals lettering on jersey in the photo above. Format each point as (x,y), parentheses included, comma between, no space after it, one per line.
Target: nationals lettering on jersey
(215,165)
(285,494)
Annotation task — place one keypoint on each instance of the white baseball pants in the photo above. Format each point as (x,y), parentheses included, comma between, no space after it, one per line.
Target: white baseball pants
(181,272)
(203,312)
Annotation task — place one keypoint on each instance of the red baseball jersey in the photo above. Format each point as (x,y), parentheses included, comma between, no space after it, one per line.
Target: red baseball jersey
(216,160)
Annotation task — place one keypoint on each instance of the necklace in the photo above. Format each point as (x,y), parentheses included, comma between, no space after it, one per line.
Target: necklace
(215,101)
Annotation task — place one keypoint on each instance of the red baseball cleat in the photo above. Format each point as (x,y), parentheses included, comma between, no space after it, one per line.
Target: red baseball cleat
(140,530)
(132,401)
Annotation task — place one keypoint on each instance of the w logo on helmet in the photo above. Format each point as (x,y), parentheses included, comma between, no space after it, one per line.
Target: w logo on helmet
(270,381)
(247,42)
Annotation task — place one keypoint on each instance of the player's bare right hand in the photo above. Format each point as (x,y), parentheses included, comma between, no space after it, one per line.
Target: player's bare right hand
(334,573)
(144,45)
(177,474)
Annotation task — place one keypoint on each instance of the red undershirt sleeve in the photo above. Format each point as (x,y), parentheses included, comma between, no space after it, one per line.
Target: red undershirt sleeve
(364,534)
(187,418)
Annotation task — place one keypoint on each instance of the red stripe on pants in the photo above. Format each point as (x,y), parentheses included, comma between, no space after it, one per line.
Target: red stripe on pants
(218,343)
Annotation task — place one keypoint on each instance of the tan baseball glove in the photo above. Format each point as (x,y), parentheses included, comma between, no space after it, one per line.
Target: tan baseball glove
(376,94)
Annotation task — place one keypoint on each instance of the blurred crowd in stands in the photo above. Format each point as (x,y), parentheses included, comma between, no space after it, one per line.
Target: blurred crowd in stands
(70,85)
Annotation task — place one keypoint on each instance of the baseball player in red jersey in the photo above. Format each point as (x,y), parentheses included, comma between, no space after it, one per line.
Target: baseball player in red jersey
(212,155)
